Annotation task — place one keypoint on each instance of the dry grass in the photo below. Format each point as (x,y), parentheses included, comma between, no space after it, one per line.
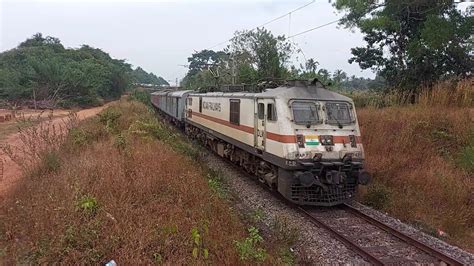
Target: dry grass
(445,94)
(116,192)
(414,154)
(27,118)
(39,137)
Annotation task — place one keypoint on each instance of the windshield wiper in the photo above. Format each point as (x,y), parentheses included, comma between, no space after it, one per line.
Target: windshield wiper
(339,124)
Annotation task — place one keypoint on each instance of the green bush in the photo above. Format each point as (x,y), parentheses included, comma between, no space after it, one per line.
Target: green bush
(378,196)
(248,248)
(141,96)
(88,204)
(466,158)
(109,117)
(78,136)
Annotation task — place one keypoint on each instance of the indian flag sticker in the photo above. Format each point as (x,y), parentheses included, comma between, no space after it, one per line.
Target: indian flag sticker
(311,140)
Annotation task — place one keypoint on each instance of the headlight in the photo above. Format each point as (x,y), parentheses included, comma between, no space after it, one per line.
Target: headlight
(326,140)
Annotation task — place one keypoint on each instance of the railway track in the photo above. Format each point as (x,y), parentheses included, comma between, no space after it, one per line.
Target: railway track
(358,240)
(362,233)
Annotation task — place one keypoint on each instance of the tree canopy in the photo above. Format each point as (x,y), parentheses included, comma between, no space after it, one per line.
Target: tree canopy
(41,70)
(411,43)
(251,56)
(141,76)
(254,56)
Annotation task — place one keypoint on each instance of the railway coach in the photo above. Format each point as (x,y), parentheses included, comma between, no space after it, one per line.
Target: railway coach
(171,104)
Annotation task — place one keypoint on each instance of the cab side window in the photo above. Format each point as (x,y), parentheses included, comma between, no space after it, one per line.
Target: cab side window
(271,112)
(235,112)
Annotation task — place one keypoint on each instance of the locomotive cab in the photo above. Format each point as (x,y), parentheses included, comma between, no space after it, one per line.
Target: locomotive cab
(324,162)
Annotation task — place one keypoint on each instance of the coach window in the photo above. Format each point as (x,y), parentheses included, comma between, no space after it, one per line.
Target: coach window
(200,104)
(261,111)
(271,114)
(190,101)
(235,112)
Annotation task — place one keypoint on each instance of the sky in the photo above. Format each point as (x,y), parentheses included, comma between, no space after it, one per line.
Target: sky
(159,35)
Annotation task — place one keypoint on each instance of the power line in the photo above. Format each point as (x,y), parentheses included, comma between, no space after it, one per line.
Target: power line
(338,20)
(266,23)
(315,28)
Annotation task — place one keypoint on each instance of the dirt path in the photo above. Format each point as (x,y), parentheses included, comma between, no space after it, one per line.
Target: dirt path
(10,172)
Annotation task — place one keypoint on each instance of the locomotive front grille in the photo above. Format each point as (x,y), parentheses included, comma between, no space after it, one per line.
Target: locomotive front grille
(316,195)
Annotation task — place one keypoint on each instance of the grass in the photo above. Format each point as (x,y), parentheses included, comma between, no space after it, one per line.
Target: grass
(22,121)
(449,93)
(421,159)
(122,186)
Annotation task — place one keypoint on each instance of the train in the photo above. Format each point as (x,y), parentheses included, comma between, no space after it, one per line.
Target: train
(299,138)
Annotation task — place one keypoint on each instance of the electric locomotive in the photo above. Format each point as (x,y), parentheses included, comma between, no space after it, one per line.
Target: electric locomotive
(300,138)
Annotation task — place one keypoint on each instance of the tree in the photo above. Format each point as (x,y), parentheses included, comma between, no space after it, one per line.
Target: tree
(411,43)
(311,65)
(263,51)
(141,76)
(339,76)
(204,59)
(41,69)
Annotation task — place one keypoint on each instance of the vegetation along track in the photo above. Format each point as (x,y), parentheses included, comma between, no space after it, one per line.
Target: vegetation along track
(376,241)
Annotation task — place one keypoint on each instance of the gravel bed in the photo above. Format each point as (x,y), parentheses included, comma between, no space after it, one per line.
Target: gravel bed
(314,244)
(383,245)
(450,250)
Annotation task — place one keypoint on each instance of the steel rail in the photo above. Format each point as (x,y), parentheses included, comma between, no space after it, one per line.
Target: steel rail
(349,243)
(346,241)
(406,238)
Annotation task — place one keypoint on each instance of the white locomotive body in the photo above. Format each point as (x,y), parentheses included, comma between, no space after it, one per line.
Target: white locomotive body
(300,139)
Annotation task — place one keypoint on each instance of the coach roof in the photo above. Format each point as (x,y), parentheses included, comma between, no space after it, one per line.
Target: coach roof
(179,93)
(161,92)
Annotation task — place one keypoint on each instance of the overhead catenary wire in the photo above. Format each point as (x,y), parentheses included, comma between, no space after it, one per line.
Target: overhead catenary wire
(266,23)
(338,20)
(315,28)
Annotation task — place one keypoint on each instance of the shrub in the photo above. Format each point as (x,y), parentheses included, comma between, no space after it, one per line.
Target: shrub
(120,142)
(88,204)
(286,234)
(466,156)
(248,248)
(377,196)
(141,96)
(109,118)
(50,162)
(198,244)
(216,185)
(78,136)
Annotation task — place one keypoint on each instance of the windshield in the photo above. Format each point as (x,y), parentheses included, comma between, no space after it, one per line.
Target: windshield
(338,113)
(305,113)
